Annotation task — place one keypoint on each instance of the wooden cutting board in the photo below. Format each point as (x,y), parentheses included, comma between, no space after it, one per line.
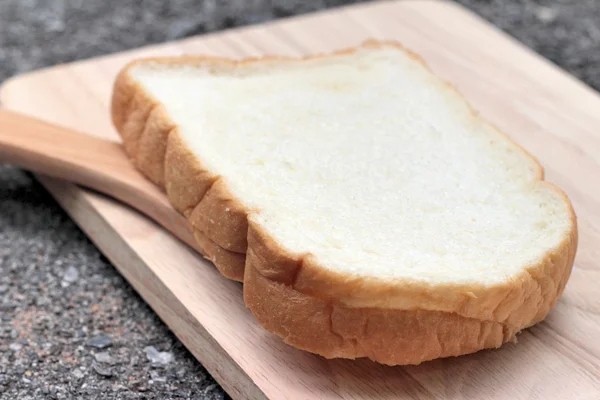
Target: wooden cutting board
(554,116)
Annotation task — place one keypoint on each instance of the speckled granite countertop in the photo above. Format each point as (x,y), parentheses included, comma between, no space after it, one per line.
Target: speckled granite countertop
(70,326)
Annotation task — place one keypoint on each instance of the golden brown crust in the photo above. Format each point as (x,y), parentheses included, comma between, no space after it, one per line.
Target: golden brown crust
(393,337)
(153,143)
(230,229)
(519,300)
(311,307)
(231,265)
(152,146)
(186,180)
(314,317)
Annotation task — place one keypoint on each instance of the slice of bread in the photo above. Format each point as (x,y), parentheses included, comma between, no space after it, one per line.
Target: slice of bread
(367,209)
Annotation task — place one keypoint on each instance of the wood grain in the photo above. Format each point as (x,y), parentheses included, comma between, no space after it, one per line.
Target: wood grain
(550,113)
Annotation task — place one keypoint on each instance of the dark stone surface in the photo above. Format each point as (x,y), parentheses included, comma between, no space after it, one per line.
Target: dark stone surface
(57,292)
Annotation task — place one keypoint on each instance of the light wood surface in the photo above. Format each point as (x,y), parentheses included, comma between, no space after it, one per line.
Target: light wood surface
(548,112)
(90,161)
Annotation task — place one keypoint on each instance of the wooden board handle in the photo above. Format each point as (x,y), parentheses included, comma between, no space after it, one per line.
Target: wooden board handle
(95,163)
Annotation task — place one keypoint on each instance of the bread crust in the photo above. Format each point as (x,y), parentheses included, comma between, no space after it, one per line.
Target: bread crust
(295,298)
(305,303)
(154,145)
(392,337)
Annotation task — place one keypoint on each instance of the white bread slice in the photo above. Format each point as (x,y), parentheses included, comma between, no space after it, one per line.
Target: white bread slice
(367,209)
